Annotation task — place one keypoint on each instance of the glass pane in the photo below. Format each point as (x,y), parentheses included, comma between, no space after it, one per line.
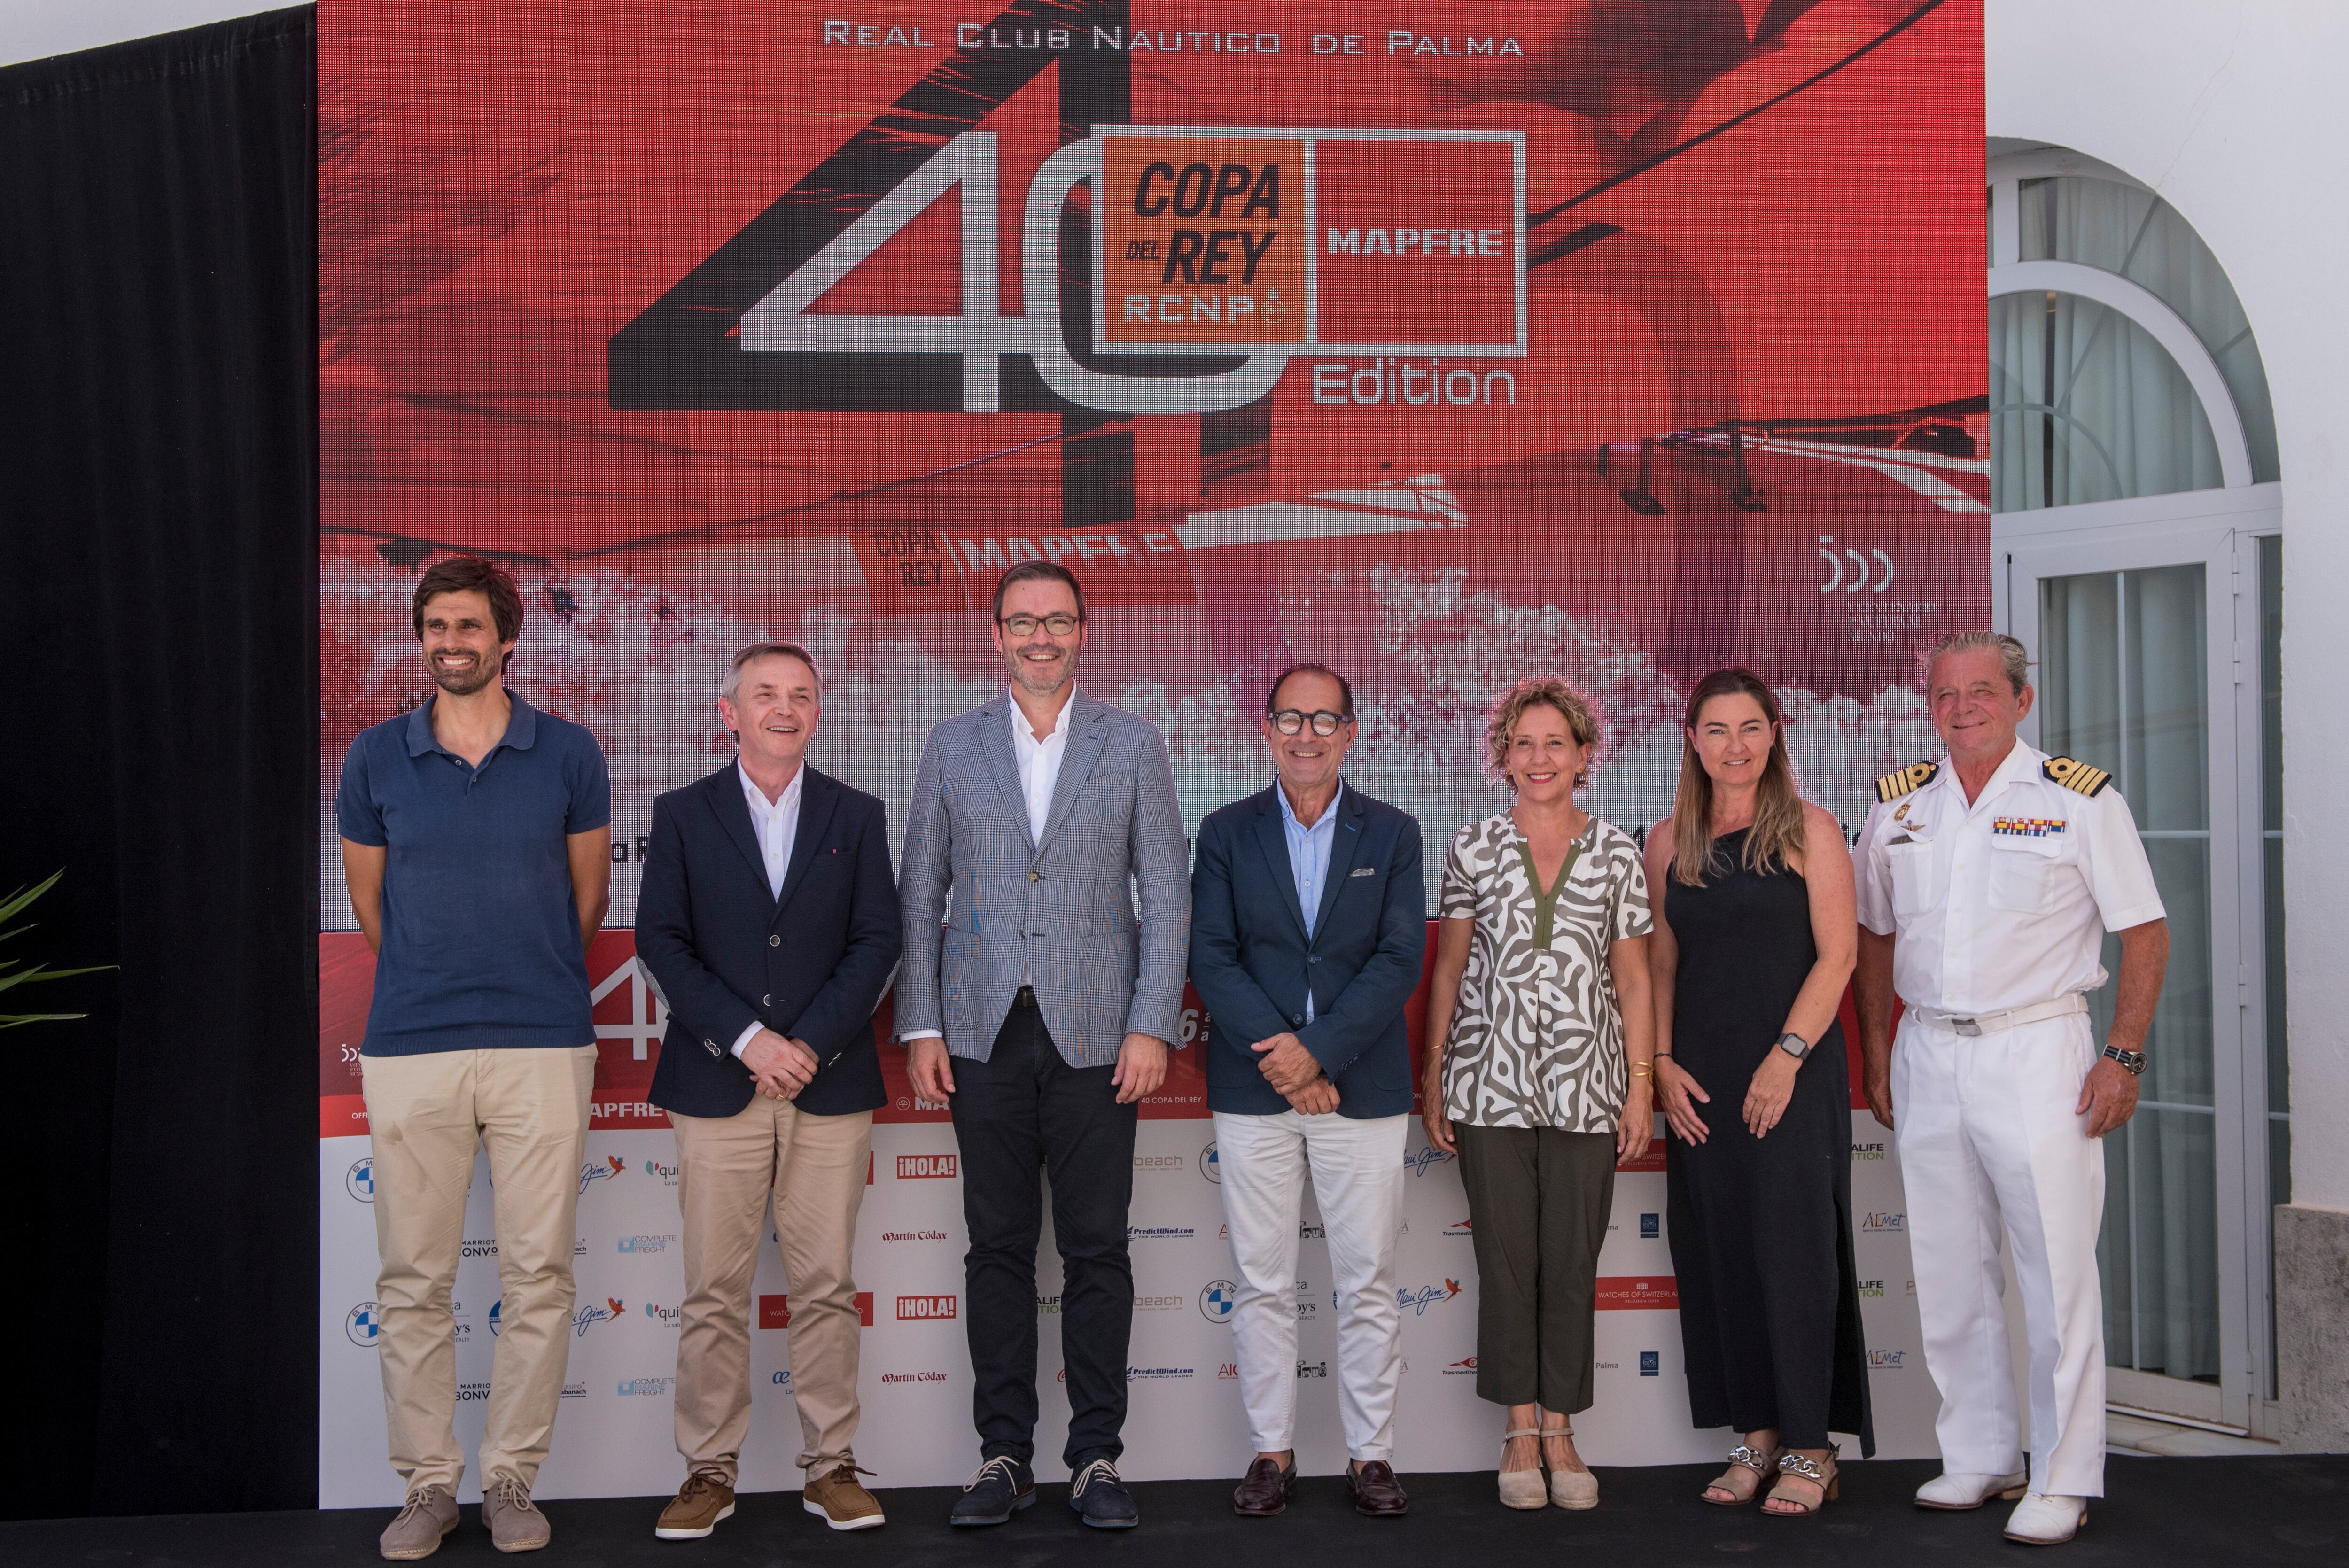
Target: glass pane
(2120,229)
(2124,685)
(2279,1080)
(2086,407)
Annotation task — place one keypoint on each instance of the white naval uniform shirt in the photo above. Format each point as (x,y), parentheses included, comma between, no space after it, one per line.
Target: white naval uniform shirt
(2002,903)
(778,829)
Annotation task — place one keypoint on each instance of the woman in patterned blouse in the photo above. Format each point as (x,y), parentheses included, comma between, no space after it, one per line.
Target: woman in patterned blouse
(1538,1036)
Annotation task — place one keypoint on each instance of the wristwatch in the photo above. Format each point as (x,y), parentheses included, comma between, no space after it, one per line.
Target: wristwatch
(1794,1045)
(2131,1061)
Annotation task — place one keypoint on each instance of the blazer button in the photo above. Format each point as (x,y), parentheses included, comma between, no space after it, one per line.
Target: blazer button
(1299,1020)
(766,1001)
(1035,876)
(1312,958)
(774,942)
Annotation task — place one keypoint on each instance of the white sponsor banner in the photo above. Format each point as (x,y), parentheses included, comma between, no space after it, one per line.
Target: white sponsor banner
(614,1437)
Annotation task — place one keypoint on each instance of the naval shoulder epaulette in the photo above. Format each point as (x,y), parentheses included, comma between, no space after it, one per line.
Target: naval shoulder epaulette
(2073,773)
(1905,780)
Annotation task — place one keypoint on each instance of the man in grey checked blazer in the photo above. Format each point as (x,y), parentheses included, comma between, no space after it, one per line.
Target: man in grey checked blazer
(1037,1009)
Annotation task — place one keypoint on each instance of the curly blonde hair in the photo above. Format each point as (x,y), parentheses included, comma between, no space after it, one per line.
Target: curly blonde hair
(1580,714)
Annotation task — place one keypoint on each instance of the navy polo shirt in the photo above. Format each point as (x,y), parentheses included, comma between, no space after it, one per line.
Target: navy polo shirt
(481,933)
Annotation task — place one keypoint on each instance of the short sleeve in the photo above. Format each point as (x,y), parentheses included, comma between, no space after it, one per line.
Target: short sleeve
(591,787)
(1874,871)
(2113,861)
(1630,916)
(1455,899)
(358,817)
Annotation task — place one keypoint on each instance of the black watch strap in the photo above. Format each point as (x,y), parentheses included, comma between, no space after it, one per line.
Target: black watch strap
(2131,1061)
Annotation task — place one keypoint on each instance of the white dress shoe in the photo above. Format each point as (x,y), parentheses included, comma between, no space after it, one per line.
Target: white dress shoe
(1960,1490)
(2040,1520)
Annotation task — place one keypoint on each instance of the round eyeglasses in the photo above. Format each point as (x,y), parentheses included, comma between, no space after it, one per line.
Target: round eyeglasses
(1290,721)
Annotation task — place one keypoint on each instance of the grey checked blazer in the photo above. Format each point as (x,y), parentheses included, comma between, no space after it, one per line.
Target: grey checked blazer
(1062,910)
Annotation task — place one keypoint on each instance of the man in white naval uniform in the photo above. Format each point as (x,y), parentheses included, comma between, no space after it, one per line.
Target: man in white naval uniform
(1987,882)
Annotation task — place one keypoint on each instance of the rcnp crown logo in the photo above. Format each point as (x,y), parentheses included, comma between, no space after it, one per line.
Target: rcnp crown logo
(1215,1302)
(359,1180)
(362,1324)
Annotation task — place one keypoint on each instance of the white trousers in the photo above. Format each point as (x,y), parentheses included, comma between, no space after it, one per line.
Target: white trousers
(1989,1141)
(1358,1170)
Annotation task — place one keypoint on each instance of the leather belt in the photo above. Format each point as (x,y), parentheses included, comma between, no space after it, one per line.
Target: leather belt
(1973,1024)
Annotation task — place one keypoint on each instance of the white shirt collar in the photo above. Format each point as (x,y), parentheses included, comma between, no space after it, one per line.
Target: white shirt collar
(1020,727)
(789,800)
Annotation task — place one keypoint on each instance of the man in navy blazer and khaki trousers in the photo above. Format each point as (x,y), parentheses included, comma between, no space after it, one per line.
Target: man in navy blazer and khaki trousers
(768,919)
(1308,927)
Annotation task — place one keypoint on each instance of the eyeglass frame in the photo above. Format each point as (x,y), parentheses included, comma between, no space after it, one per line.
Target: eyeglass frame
(1304,719)
(1041,621)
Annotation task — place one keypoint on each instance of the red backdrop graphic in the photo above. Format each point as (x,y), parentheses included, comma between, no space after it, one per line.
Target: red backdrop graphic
(1620,340)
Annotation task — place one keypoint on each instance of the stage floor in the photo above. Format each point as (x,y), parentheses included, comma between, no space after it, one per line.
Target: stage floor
(2161,1512)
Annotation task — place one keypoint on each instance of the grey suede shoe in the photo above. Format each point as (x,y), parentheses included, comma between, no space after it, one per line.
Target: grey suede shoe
(415,1531)
(516,1525)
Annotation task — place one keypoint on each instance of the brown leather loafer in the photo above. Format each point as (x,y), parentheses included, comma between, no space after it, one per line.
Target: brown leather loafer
(1265,1490)
(1377,1493)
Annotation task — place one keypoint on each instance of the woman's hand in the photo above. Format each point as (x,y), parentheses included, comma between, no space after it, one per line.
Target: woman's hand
(1430,1103)
(1677,1090)
(1637,1129)
(1773,1087)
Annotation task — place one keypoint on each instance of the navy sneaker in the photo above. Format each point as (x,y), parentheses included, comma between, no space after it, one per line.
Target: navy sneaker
(997,1489)
(1102,1500)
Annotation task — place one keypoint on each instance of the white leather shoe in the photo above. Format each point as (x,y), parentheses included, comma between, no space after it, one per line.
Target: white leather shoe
(2040,1520)
(1958,1491)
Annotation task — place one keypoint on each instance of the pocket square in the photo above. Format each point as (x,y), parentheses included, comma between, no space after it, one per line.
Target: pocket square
(1362,871)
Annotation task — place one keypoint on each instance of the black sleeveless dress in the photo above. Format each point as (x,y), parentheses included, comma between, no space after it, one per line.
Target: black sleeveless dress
(1761,1228)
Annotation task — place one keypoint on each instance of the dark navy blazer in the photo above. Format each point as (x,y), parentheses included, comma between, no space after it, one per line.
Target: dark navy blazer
(1252,963)
(810,965)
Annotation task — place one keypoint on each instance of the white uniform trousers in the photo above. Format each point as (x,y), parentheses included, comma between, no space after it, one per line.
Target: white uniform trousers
(1987,1134)
(1358,1175)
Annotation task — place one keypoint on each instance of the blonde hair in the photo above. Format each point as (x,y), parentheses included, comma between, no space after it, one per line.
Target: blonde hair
(1777,837)
(1538,691)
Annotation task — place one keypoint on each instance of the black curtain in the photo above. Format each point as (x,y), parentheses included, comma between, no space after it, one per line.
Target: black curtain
(159,653)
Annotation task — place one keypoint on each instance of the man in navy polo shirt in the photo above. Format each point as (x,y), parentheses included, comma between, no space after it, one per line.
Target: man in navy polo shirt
(476,836)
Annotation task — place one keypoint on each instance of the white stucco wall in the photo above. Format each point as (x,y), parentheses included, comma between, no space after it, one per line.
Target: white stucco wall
(2234,112)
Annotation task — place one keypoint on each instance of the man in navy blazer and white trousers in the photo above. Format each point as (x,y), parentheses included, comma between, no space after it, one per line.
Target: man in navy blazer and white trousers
(1308,927)
(768,920)
(1035,1004)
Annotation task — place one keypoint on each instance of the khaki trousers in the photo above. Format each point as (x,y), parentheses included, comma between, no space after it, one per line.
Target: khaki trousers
(728,1167)
(528,1106)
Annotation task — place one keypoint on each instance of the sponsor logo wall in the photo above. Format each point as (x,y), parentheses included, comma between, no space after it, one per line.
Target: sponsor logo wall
(1446,347)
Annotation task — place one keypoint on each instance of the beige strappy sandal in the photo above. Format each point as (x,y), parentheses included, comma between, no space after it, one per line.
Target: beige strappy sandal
(1743,1457)
(1523,1488)
(1828,1481)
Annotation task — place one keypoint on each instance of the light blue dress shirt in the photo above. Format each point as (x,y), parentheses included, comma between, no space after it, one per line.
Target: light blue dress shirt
(1309,861)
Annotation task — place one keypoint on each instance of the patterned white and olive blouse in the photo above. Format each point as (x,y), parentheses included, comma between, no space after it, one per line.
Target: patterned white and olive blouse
(1538,1035)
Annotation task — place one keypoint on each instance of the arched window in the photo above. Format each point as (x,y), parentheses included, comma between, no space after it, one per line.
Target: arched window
(2121,363)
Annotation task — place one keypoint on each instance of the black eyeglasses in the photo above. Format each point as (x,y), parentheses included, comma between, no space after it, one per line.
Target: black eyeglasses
(1290,721)
(1025,625)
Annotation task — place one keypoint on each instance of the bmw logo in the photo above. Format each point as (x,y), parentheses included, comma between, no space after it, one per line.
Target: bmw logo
(1215,1302)
(364,1323)
(359,1180)
(1210,1169)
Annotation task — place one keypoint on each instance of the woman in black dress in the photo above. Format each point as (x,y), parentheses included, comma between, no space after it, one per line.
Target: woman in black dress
(1756,935)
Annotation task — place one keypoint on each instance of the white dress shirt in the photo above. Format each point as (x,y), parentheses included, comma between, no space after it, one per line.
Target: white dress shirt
(2002,902)
(1039,762)
(776,825)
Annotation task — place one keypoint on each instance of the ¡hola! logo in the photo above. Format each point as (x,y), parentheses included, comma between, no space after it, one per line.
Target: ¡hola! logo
(926,1168)
(924,1308)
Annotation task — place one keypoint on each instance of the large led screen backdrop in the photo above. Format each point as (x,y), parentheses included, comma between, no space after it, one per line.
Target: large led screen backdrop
(1459,342)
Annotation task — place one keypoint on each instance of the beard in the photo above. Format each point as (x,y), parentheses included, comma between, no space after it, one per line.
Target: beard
(465,681)
(1030,679)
